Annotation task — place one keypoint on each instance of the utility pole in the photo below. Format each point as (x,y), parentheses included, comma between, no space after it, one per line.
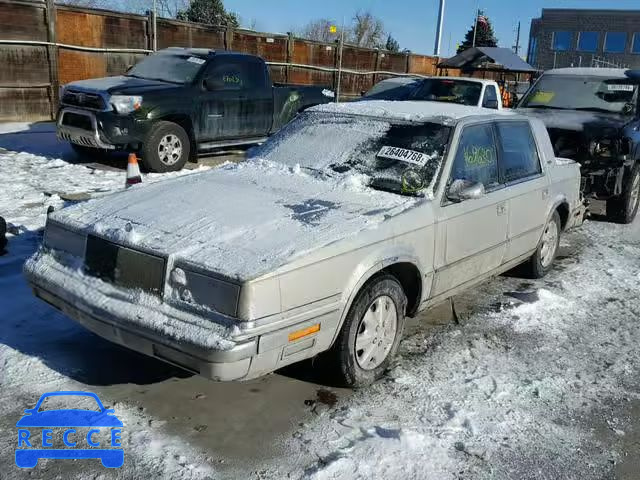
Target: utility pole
(340,61)
(517,47)
(436,50)
(155,26)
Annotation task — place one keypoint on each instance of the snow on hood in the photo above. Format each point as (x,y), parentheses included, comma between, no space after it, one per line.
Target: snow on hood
(240,221)
(408,110)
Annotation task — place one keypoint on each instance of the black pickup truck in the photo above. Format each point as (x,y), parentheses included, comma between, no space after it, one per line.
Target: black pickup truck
(593,117)
(178,102)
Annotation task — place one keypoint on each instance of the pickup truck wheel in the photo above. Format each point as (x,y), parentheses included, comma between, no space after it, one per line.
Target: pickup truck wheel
(371,333)
(623,209)
(166,148)
(542,261)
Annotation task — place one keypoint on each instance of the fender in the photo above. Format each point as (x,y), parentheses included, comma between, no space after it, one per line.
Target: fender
(366,270)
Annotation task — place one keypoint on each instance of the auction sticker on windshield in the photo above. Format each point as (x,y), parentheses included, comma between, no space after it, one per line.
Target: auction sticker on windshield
(620,88)
(403,155)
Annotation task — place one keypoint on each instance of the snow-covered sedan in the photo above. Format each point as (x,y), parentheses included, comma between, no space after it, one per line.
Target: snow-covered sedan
(349,219)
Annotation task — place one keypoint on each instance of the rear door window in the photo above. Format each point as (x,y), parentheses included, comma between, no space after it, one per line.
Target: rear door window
(490,97)
(235,75)
(518,152)
(476,159)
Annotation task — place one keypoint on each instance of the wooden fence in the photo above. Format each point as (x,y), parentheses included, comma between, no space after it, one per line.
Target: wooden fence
(43,46)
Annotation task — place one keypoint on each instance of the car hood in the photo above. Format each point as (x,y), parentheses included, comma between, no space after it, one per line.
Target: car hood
(577,120)
(238,221)
(121,85)
(69,418)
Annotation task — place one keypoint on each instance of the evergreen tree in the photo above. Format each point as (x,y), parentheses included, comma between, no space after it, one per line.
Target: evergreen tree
(211,12)
(392,44)
(484,34)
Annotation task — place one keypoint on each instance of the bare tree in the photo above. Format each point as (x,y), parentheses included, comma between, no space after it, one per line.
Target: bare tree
(319,30)
(367,31)
(165,8)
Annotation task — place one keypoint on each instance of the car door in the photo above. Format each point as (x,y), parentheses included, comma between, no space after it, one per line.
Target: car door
(523,175)
(227,107)
(471,234)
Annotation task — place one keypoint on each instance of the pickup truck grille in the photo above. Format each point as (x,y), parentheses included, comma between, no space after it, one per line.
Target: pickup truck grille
(123,266)
(75,98)
(77,120)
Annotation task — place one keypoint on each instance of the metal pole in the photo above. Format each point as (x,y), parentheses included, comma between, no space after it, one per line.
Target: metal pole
(518,40)
(475,26)
(436,50)
(340,61)
(155,26)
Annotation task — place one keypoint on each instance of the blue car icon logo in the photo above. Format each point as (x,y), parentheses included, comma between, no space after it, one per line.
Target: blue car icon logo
(86,433)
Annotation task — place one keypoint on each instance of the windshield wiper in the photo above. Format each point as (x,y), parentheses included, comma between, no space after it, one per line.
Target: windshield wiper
(595,109)
(391,185)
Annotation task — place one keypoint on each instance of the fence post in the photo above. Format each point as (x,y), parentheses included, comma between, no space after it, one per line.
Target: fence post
(52,54)
(152,29)
(407,63)
(228,38)
(379,57)
(290,44)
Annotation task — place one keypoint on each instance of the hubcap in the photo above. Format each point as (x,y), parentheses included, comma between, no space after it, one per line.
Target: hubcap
(170,149)
(376,333)
(634,195)
(549,244)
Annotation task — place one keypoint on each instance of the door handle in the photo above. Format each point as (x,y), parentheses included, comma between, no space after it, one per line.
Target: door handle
(501,208)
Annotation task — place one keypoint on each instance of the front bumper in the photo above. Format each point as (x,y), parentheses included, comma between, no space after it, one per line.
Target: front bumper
(100,129)
(577,215)
(108,314)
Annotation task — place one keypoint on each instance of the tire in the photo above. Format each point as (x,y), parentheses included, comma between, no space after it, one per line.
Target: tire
(89,153)
(623,209)
(353,367)
(542,261)
(156,154)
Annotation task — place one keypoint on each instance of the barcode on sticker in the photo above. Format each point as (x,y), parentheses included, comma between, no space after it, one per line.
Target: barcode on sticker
(620,88)
(403,155)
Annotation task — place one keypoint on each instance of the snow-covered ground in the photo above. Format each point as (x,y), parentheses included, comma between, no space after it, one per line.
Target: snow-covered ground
(539,380)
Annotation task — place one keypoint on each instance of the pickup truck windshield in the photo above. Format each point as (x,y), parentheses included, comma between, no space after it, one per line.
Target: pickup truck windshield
(598,94)
(449,91)
(401,157)
(168,67)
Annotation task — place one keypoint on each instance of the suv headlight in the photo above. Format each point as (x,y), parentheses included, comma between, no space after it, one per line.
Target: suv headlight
(196,289)
(58,237)
(126,103)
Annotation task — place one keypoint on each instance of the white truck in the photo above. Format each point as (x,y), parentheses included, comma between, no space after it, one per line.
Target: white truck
(475,92)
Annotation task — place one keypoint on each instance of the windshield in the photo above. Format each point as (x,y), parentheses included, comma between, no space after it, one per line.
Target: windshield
(396,89)
(615,95)
(399,157)
(168,67)
(450,91)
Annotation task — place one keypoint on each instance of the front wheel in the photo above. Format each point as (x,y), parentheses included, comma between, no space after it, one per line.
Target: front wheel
(623,209)
(542,261)
(371,333)
(166,148)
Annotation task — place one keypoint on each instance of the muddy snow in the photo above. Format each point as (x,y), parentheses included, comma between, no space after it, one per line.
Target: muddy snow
(538,380)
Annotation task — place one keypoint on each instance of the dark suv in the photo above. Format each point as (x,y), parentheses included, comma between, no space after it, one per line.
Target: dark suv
(593,117)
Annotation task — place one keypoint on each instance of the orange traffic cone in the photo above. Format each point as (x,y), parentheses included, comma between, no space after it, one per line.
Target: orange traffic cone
(133,171)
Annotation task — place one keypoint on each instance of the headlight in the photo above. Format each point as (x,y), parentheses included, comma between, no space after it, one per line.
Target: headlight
(196,290)
(126,103)
(604,148)
(59,238)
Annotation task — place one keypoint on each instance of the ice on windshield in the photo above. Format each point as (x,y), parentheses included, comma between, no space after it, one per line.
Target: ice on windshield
(401,157)
(615,95)
(168,67)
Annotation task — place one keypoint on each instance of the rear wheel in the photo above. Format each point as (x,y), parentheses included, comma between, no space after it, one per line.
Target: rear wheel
(542,261)
(623,209)
(166,148)
(371,333)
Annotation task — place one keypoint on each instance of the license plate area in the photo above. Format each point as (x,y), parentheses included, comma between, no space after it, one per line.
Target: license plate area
(124,266)
(77,120)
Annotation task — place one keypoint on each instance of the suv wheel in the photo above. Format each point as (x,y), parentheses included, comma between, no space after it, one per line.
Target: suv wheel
(623,209)
(542,261)
(166,148)
(371,333)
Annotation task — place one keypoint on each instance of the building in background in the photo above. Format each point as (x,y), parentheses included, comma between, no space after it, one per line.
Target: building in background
(585,38)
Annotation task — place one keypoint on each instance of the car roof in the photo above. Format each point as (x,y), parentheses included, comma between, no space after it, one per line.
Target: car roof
(205,52)
(413,111)
(589,72)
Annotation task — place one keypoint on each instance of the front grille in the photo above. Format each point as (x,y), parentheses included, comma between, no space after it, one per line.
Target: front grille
(123,266)
(93,101)
(77,120)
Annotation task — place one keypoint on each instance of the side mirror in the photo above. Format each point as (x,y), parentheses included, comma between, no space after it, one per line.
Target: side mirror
(490,104)
(461,190)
